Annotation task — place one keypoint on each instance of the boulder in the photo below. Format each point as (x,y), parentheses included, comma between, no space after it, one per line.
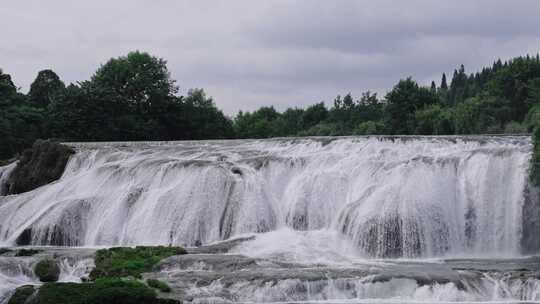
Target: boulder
(42,164)
(47,270)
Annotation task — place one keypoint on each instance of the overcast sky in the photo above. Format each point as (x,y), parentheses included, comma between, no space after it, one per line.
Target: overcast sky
(284,53)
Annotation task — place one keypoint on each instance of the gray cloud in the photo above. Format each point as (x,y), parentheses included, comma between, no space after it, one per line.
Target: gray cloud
(269,52)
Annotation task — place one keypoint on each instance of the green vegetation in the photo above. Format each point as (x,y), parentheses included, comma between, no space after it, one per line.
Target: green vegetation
(21,294)
(47,270)
(128,98)
(159,285)
(130,262)
(134,98)
(27,252)
(115,279)
(109,290)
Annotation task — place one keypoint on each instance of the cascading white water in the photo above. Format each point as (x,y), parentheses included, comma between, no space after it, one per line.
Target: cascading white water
(18,271)
(389,197)
(5,171)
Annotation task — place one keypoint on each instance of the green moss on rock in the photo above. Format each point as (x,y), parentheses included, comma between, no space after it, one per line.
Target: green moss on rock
(109,290)
(159,285)
(47,270)
(125,261)
(27,252)
(22,294)
(42,164)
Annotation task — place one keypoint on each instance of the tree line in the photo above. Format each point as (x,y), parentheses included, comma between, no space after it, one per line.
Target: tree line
(134,98)
(503,98)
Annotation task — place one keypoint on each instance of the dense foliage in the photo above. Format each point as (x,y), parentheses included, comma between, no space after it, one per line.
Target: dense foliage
(134,98)
(128,98)
(503,98)
(108,290)
(116,278)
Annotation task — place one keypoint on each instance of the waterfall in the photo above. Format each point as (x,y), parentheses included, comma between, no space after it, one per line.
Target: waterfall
(5,172)
(386,196)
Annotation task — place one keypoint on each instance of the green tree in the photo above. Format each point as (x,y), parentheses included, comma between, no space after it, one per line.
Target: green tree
(205,120)
(45,88)
(434,120)
(7,88)
(402,103)
(314,114)
(259,124)
(139,80)
(369,128)
(481,114)
(512,83)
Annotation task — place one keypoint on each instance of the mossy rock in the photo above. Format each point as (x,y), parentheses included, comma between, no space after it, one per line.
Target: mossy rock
(22,295)
(42,164)
(47,270)
(109,290)
(4,250)
(27,252)
(159,285)
(130,262)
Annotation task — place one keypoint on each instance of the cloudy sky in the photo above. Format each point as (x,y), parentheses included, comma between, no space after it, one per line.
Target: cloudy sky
(277,52)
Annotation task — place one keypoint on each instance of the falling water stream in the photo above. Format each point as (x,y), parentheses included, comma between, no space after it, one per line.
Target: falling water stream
(348,219)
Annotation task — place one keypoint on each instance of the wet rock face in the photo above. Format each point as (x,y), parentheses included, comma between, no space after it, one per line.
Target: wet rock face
(530,242)
(42,164)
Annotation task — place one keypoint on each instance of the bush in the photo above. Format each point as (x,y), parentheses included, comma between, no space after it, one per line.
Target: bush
(369,128)
(514,127)
(434,120)
(47,271)
(21,294)
(157,284)
(125,261)
(110,290)
(27,252)
(321,129)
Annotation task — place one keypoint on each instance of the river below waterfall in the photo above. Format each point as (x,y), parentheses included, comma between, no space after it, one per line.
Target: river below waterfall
(333,220)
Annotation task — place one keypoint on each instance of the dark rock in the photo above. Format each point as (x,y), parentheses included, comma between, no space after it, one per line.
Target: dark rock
(27,252)
(221,247)
(25,238)
(42,164)
(47,271)
(22,295)
(530,242)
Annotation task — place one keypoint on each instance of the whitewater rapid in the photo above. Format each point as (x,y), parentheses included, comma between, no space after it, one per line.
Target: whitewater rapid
(373,196)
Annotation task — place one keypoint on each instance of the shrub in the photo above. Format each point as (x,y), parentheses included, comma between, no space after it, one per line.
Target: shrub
(109,290)
(157,284)
(515,127)
(369,128)
(126,261)
(21,294)
(27,252)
